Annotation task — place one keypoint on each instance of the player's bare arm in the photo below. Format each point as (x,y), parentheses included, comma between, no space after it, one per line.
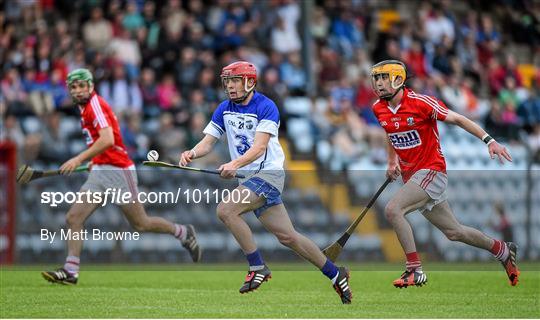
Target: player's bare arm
(393,170)
(228,170)
(105,141)
(468,125)
(200,150)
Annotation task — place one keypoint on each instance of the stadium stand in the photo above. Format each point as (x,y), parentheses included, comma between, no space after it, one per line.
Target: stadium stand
(157,63)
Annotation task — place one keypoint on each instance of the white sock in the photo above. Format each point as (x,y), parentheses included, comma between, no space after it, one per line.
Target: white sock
(256,268)
(334,279)
(503,254)
(72,265)
(180,232)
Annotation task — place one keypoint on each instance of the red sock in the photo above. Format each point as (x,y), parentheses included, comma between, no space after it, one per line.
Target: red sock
(413,262)
(499,250)
(496,247)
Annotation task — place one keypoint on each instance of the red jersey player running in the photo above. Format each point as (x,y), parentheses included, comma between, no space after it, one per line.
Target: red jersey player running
(111,169)
(410,120)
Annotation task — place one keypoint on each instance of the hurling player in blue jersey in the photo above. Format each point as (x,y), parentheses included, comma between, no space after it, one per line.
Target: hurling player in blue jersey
(250,121)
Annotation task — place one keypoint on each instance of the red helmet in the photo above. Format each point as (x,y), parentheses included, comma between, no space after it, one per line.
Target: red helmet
(240,69)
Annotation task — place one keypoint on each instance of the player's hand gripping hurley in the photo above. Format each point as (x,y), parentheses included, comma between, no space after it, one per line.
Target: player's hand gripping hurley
(334,250)
(26,173)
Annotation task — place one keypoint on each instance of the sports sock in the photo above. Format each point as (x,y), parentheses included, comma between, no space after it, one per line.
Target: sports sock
(255,261)
(72,264)
(330,270)
(500,250)
(180,232)
(413,262)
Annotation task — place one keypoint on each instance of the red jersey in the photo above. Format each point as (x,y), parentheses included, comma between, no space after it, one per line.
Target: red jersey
(412,131)
(96,115)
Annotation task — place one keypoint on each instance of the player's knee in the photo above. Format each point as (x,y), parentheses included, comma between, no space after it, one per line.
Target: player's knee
(140,225)
(224,212)
(73,220)
(455,234)
(287,239)
(391,212)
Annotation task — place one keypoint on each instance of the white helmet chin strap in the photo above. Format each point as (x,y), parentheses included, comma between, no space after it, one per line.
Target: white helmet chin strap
(246,88)
(247,91)
(392,84)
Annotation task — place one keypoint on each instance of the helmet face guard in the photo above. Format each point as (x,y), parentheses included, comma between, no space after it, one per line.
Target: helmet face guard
(391,69)
(239,70)
(247,88)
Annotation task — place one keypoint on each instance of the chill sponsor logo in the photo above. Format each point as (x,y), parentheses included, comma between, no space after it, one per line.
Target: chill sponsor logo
(405,140)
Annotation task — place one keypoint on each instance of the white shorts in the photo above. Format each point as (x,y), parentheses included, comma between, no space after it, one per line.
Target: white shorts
(104,176)
(434,183)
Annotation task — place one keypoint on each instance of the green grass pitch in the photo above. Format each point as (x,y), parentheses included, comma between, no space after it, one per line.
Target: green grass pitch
(211,291)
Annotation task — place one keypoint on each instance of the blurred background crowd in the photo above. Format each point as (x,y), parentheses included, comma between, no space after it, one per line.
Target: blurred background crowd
(158,62)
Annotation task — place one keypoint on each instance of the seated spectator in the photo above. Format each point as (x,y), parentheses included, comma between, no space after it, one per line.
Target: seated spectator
(488,40)
(97,32)
(508,95)
(126,50)
(358,67)
(319,24)
(166,90)
(187,70)
(229,37)
(59,92)
(39,97)
(123,95)
(13,92)
(454,96)
(498,73)
(207,85)
(12,131)
(349,137)
(416,60)
(347,34)
(438,26)
(136,142)
(179,110)
(198,103)
(529,110)
(341,95)
(28,143)
(330,68)
(54,143)
(501,121)
(364,99)
(149,93)
(502,224)
(170,141)
(468,56)
(443,57)
(533,142)
(132,19)
(293,75)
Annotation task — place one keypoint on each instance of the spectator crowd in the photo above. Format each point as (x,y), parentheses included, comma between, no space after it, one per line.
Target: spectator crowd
(158,62)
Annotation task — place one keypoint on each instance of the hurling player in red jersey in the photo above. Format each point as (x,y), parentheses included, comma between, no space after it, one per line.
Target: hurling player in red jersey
(112,171)
(410,121)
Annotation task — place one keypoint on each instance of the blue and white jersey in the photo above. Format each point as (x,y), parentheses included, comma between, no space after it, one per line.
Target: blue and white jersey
(240,123)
